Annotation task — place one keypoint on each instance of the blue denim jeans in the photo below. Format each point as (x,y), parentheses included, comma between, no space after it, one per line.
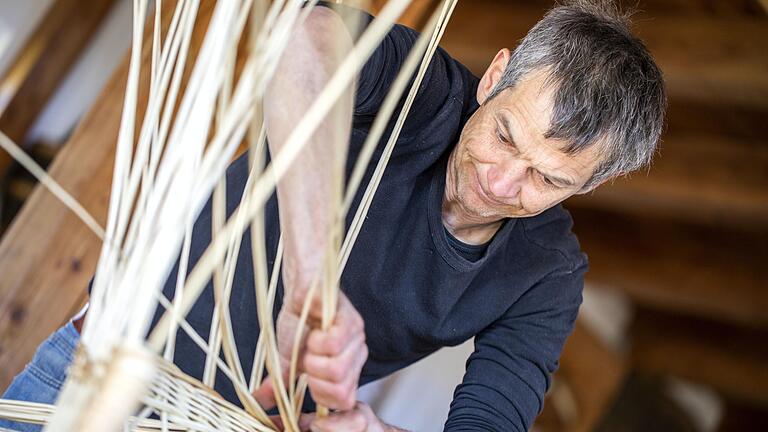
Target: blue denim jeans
(43,377)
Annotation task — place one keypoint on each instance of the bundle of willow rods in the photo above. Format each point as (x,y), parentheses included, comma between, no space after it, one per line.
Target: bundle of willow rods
(165,171)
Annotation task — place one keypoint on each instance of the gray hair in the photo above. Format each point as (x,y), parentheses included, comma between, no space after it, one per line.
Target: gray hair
(607,86)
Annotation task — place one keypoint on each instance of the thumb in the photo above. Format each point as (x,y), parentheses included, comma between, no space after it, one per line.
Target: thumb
(305,421)
(265,394)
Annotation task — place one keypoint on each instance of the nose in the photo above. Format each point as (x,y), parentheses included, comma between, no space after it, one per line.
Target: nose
(505,180)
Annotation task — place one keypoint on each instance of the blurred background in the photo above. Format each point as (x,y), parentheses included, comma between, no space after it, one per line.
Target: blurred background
(673,332)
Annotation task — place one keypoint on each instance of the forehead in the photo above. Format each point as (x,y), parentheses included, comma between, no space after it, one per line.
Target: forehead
(530,101)
(528,107)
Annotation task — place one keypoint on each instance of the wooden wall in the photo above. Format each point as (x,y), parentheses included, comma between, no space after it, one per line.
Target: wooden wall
(687,242)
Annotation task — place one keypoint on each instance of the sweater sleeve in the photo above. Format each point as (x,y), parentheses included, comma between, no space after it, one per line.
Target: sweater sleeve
(382,67)
(510,369)
(381,70)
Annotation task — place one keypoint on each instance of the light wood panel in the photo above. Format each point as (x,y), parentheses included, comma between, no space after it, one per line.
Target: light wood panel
(703,57)
(47,255)
(43,63)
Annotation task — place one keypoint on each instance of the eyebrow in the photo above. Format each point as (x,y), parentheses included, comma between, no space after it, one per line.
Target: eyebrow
(561,181)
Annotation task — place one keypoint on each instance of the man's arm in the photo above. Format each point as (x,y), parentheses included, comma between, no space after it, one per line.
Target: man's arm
(332,359)
(510,370)
(305,192)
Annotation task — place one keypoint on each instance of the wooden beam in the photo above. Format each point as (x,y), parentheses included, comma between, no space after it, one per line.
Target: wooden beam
(585,386)
(695,177)
(703,57)
(718,273)
(730,359)
(733,8)
(43,63)
(47,255)
(726,9)
(717,120)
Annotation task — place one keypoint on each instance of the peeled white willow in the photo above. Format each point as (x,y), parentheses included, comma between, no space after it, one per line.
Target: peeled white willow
(162,179)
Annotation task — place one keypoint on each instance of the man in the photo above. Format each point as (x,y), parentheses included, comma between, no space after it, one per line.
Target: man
(465,237)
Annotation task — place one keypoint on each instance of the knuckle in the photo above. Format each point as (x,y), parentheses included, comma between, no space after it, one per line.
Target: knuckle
(334,345)
(358,323)
(359,421)
(339,396)
(336,371)
(313,341)
(311,364)
(347,403)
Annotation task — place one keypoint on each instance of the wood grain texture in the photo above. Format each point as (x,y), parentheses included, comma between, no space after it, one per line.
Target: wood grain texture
(43,63)
(703,56)
(47,256)
(699,177)
(589,377)
(678,266)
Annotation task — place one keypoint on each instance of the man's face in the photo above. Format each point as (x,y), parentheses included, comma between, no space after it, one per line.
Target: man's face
(503,166)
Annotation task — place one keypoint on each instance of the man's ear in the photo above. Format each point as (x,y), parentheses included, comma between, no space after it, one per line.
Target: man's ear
(492,75)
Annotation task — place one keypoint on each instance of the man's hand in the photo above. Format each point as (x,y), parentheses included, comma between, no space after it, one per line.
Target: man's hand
(335,358)
(359,419)
(331,359)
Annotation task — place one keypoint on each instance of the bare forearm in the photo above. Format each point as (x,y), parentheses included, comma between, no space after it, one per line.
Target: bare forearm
(307,190)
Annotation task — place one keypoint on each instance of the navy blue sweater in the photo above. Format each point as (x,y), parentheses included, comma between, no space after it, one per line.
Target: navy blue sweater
(414,289)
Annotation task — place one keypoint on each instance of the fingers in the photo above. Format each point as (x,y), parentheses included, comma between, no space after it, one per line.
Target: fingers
(350,421)
(346,327)
(305,421)
(335,368)
(295,302)
(297,296)
(265,394)
(334,359)
(278,422)
(333,381)
(287,326)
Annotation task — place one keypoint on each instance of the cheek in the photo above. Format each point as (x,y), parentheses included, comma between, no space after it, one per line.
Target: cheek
(535,201)
(482,151)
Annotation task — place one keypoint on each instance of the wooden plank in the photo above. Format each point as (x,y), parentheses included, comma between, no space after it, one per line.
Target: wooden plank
(718,120)
(43,63)
(47,255)
(717,8)
(695,177)
(730,359)
(719,273)
(728,55)
(586,384)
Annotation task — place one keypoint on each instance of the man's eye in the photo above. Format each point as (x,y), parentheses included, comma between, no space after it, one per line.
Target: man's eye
(502,138)
(546,180)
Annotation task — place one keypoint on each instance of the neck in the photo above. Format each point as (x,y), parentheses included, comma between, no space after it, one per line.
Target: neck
(465,228)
